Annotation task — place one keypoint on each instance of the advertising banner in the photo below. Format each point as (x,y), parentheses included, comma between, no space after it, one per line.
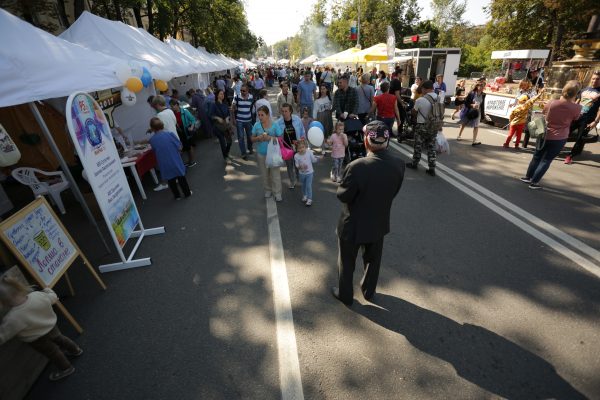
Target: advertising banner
(91,135)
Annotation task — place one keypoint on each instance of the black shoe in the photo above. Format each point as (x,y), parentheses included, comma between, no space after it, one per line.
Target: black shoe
(245,156)
(192,164)
(250,151)
(430,171)
(368,296)
(411,165)
(335,292)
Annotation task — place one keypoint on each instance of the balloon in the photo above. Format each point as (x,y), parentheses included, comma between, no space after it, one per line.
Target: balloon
(123,72)
(161,85)
(317,124)
(146,77)
(128,97)
(315,136)
(134,84)
(136,69)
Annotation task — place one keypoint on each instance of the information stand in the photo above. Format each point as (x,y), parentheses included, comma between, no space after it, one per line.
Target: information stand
(42,244)
(93,140)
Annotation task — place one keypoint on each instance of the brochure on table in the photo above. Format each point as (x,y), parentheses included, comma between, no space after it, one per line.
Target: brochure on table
(92,137)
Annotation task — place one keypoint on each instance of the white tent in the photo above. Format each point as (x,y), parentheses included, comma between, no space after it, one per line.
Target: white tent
(220,63)
(35,65)
(206,64)
(126,42)
(247,64)
(309,60)
(283,61)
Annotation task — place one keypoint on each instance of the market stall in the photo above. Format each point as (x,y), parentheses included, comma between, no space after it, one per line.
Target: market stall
(500,94)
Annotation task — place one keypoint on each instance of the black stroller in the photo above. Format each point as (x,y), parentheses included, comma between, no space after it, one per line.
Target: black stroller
(406,131)
(353,128)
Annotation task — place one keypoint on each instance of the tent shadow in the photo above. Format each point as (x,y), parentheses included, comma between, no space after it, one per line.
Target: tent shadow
(478,355)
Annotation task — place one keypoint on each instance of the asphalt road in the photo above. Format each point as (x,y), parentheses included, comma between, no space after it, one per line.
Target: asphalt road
(477,299)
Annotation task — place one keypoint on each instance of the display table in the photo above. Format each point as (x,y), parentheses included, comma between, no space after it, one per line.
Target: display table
(140,161)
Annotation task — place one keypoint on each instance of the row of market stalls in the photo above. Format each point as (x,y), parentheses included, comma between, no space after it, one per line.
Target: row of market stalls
(39,70)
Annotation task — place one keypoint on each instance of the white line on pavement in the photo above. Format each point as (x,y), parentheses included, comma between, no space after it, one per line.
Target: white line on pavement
(560,248)
(289,366)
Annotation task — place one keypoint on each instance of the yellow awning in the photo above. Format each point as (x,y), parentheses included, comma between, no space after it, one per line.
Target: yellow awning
(377,52)
(346,56)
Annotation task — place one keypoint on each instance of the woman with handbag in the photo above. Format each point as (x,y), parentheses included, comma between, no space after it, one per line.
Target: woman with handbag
(469,116)
(322,110)
(559,116)
(263,131)
(293,130)
(185,130)
(219,115)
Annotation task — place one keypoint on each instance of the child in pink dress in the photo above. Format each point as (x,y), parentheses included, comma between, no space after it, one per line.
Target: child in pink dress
(338,141)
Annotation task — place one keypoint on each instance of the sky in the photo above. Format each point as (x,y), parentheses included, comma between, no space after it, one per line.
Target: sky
(284,20)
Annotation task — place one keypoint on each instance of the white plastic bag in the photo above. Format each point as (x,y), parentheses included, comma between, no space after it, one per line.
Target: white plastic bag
(9,152)
(441,144)
(274,158)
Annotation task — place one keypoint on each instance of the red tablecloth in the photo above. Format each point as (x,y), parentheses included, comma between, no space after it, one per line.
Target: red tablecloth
(145,162)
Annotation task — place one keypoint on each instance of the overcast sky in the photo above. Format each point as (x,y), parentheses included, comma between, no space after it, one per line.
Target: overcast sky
(278,20)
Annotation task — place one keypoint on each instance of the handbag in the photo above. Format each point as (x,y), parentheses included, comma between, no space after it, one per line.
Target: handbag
(287,153)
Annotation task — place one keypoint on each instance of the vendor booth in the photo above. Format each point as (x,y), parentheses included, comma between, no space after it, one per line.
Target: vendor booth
(427,63)
(500,94)
(310,60)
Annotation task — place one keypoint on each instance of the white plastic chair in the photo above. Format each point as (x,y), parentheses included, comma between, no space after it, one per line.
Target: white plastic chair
(27,176)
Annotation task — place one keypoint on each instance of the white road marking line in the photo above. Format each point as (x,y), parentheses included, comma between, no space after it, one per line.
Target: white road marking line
(558,247)
(289,366)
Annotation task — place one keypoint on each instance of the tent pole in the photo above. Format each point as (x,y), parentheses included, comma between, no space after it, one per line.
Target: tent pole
(65,168)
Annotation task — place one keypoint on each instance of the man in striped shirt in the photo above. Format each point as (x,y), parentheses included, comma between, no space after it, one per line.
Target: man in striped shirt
(241,114)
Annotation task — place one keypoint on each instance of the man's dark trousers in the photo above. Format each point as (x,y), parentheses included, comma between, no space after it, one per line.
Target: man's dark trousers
(371,254)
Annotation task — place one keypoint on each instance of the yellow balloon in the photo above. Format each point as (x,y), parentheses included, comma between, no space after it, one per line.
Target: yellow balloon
(134,84)
(161,85)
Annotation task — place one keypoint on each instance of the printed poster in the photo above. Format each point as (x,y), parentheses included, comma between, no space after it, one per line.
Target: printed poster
(39,238)
(93,140)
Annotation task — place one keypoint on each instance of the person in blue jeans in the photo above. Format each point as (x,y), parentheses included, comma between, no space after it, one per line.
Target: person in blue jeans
(304,160)
(241,111)
(307,92)
(559,115)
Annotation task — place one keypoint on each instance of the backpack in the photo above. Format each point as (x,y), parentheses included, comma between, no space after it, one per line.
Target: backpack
(435,119)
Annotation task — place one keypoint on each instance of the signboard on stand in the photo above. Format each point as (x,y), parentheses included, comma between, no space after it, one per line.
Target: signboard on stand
(44,247)
(91,135)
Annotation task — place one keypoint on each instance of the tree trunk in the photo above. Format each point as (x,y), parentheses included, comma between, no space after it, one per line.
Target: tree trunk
(137,13)
(62,13)
(149,6)
(78,8)
(558,39)
(118,14)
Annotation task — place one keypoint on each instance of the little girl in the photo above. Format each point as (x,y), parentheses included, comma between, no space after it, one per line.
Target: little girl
(306,118)
(339,142)
(304,160)
(32,320)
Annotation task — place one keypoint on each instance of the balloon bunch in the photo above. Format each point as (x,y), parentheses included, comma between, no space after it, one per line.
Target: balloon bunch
(135,77)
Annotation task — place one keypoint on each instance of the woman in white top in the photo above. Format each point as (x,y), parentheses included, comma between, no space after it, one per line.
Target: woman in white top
(262,101)
(414,87)
(382,78)
(322,110)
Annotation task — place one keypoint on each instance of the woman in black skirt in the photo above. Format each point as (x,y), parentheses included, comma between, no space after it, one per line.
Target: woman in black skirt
(459,100)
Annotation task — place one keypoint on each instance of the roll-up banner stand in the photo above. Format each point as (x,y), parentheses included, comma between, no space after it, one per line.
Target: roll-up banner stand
(92,138)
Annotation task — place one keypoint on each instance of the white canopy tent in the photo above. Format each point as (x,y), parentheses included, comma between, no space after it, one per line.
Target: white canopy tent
(219,62)
(247,64)
(283,61)
(35,65)
(133,45)
(310,60)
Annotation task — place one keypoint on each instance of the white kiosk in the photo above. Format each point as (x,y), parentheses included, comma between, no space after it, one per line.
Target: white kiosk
(517,64)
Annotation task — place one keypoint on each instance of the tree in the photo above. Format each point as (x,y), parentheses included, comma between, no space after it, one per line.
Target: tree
(529,24)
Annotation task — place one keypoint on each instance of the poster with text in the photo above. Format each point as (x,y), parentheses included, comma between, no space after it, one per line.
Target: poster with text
(40,241)
(92,138)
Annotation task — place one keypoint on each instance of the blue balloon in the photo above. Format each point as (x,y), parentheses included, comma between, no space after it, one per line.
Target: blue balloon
(146,78)
(317,124)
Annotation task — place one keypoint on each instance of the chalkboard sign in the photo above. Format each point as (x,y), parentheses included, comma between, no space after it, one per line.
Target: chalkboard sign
(40,241)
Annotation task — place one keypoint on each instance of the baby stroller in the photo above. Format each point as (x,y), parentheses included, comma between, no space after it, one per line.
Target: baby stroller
(408,121)
(353,128)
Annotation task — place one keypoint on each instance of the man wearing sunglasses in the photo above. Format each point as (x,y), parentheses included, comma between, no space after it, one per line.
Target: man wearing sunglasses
(241,114)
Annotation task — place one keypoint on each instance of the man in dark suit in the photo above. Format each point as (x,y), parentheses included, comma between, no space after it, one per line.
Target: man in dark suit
(368,188)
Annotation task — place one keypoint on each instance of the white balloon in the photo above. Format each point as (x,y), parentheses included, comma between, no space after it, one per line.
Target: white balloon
(136,69)
(128,97)
(315,136)
(123,72)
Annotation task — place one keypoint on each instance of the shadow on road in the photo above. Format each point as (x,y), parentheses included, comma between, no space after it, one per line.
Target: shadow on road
(478,355)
